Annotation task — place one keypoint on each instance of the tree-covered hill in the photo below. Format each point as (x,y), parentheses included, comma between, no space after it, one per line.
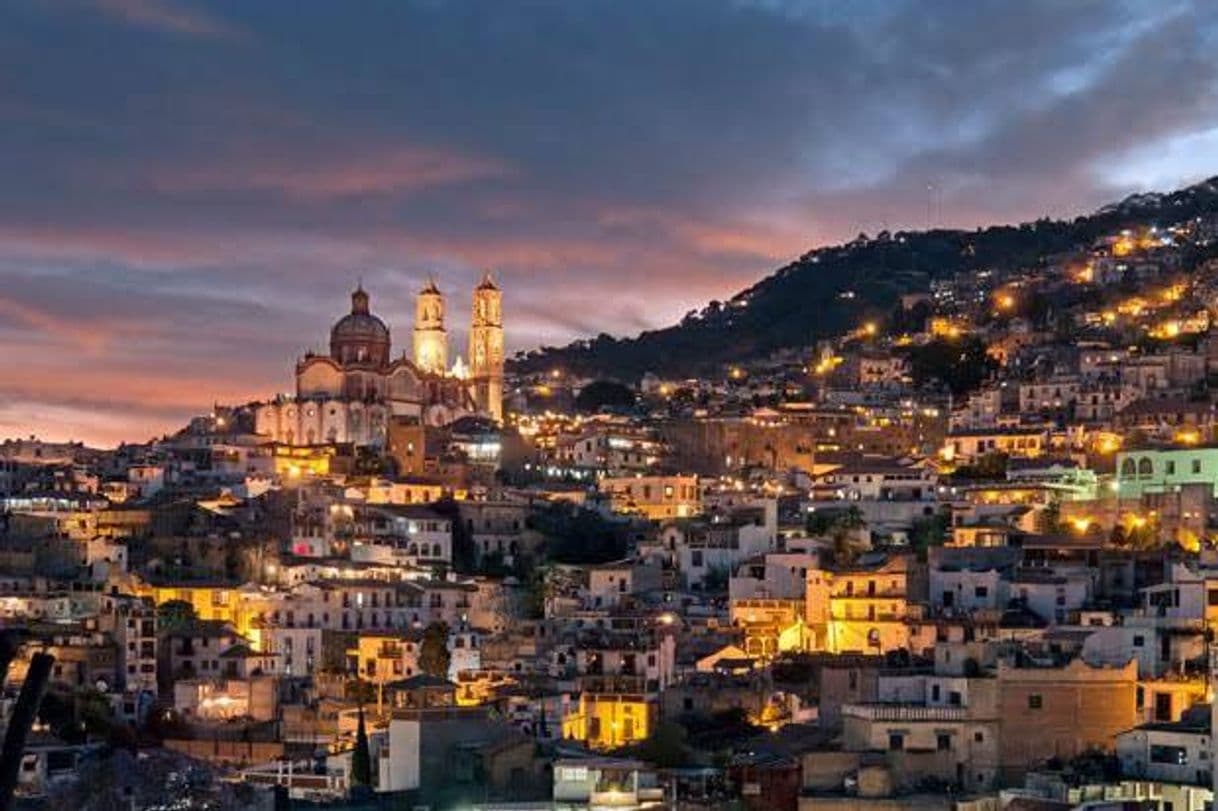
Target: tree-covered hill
(832,289)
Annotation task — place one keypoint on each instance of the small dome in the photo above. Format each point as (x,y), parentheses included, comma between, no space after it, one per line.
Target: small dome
(359,336)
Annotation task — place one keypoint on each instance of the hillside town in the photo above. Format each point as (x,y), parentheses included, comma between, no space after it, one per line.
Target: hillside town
(964,556)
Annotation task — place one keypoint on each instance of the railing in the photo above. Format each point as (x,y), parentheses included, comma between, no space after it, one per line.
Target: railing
(904,712)
(610,685)
(879,616)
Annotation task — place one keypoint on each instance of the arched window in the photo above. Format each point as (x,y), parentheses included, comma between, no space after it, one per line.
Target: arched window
(1145,467)
(1129,468)
(873,637)
(435,551)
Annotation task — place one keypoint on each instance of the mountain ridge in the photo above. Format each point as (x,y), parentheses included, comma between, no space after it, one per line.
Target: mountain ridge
(831,289)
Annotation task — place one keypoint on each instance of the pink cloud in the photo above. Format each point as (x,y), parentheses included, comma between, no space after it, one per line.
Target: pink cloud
(114,243)
(92,336)
(739,236)
(165,15)
(404,169)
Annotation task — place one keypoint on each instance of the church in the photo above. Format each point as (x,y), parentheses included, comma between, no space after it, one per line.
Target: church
(352,394)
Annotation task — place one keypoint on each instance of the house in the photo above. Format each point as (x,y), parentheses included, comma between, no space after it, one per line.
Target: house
(606,782)
(1171,752)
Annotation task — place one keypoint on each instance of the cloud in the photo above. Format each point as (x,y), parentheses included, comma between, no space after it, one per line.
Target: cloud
(167,16)
(190,193)
(400,170)
(92,336)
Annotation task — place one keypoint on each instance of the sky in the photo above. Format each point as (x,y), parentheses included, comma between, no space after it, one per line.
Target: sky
(190,190)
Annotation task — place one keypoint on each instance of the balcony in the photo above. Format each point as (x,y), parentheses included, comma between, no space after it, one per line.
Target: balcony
(905,713)
(613,685)
(876,616)
(1162,617)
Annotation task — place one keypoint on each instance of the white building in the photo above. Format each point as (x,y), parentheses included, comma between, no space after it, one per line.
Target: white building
(1178,752)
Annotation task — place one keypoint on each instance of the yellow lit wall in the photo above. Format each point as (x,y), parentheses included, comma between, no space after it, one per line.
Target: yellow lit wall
(607,721)
(298,462)
(657,498)
(383,659)
(219,603)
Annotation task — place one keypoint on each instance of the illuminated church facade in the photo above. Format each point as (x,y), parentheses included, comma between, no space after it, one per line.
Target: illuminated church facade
(353,393)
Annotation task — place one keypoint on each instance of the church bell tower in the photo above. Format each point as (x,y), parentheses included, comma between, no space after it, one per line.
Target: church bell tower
(430,338)
(486,348)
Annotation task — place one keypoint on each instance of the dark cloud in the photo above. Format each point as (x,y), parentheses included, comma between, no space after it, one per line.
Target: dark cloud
(191,188)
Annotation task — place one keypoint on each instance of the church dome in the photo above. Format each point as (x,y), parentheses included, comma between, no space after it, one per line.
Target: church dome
(360,337)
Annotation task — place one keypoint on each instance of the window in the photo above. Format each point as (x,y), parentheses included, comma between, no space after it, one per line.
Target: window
(981,592)
(896,741)
(1173,755)
(1139,641)
(978,736)
(1171,468)
(1196,466)
(575,774)
(943,741)
(1035,701)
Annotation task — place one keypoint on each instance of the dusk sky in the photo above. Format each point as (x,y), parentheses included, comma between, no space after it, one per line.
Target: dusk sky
(189,191)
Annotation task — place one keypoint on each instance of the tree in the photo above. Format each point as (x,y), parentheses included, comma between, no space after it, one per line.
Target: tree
(849,536)
(990,466)
(665,747)
(434,657)
(604,393)
(361,758)
(465,555)
(960,366)
(716,579)
(793,668)
(928,531)
(174,615)
(580,535)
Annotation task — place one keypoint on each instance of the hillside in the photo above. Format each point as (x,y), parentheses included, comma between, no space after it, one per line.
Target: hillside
(832,289)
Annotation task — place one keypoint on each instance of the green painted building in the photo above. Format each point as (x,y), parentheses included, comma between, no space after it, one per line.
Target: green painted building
(1159,470)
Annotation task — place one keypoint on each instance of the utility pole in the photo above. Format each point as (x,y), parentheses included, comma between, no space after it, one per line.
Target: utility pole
(24,712)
